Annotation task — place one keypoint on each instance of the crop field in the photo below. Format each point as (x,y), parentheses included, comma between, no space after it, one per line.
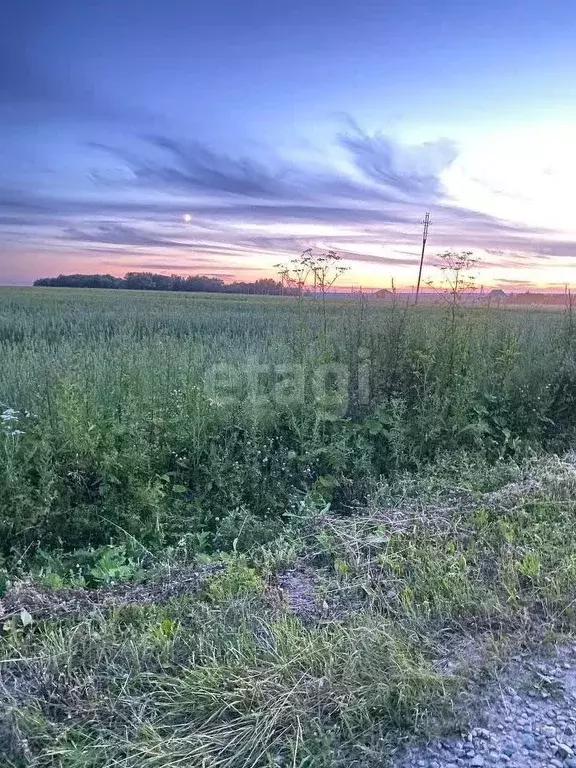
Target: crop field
(250,531)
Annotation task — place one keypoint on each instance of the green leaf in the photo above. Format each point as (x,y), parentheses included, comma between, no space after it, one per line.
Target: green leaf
(327,481)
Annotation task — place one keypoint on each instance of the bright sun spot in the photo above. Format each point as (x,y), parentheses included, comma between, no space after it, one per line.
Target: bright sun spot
(187,218)
(525,175)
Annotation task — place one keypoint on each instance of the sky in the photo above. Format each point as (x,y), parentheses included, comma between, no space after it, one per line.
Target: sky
(223,138)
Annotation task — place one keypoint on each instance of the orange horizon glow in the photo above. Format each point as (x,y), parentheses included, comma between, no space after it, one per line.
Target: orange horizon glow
(402,280)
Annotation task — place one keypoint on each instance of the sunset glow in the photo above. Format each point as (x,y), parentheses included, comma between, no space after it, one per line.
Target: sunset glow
(187,146)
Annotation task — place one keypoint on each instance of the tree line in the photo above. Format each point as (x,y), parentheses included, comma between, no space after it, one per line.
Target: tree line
(151,281)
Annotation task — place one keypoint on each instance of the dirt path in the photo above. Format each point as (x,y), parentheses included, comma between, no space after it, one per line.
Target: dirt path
(44,602)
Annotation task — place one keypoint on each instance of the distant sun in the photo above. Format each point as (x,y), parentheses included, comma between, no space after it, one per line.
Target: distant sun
(187,218)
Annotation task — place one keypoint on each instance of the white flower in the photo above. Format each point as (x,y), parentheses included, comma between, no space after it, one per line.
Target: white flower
(9,414)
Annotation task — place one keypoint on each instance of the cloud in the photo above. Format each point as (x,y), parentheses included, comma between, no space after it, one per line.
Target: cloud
(197,167)
(387,188)
(119,234)
(239,231)
(14,200)
(197,266)
(244,209)
(191,167)
(10,221)
(413,171)
(385,171)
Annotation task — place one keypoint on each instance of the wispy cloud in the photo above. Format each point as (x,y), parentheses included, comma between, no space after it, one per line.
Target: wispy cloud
(118,234)
(243,209)
(192,168)
(411,171)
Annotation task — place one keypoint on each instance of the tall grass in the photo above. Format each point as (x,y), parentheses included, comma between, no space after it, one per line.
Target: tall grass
(120,432)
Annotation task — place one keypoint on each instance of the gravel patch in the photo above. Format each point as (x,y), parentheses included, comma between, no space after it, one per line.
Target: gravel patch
(527,721)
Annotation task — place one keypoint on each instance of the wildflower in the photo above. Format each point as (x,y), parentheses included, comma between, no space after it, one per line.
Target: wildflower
(16,432)
(9,414)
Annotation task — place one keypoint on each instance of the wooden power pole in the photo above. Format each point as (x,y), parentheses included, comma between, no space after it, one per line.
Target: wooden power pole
(426,224)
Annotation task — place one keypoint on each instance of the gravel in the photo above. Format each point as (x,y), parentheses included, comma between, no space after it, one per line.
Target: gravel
(527,720)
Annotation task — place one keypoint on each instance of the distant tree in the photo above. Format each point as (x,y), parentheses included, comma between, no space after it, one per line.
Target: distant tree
(153,281)
(202,283)
(265,286)
(163,282)
(139,281)
(81,281)
(268,285)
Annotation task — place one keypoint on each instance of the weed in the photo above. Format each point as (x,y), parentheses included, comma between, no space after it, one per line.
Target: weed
(237,579)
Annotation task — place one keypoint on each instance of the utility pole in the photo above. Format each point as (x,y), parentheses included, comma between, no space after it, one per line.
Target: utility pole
(426,224)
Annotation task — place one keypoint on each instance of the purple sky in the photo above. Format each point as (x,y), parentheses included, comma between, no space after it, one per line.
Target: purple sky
(221,138)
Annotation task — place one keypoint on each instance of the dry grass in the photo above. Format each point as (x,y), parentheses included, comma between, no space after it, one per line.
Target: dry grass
(370,629)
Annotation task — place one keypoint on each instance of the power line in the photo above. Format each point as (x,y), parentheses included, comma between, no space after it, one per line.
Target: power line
(426,224)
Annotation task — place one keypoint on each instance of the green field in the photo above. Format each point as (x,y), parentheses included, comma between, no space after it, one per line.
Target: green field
(146,416)
(328,474)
